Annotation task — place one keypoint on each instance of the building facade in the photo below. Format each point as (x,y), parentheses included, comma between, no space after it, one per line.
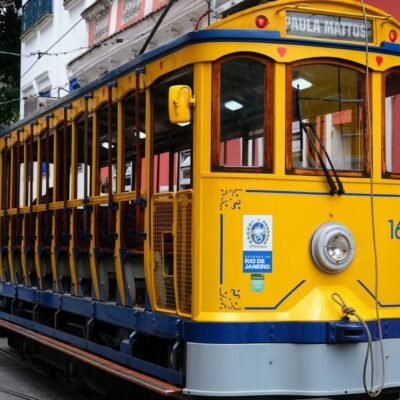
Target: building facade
(68,43)
(51,34)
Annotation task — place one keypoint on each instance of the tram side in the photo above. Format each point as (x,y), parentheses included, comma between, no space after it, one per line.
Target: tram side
(209,215)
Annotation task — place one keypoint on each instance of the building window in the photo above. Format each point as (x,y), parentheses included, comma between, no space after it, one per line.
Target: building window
(129,12)
(242,111)
(326,117)
(74,84)
(33,12)
(45,93)
(98,17)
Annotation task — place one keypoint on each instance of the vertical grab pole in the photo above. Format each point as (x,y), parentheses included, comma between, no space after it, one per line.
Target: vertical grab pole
(110,146)
(171,162)
(18,176)
(47,138)
(31,171)
(138,168)
(4,193)
(85,165)
(65,170)
(2,277)
(47,198)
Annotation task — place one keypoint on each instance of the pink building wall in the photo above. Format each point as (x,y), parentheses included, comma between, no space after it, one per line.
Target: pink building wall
(390,6)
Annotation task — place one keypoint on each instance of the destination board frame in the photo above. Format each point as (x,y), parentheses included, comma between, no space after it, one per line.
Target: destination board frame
(330,27)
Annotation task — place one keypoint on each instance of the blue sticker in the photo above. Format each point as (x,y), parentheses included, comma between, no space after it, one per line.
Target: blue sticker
(257,261)
(257,243)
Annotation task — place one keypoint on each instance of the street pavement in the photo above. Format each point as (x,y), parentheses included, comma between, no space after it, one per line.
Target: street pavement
(22,380)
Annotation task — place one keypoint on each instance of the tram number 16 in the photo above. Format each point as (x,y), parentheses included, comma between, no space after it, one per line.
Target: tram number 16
(394,229)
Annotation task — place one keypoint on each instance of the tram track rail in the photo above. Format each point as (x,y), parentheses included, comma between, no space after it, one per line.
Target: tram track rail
(18,395)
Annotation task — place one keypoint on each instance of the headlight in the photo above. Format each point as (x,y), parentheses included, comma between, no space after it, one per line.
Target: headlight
(332,247)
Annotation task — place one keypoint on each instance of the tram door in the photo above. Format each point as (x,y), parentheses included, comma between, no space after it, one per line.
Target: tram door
(171,201)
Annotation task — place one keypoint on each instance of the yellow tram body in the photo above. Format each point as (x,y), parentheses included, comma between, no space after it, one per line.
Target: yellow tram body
(192,253)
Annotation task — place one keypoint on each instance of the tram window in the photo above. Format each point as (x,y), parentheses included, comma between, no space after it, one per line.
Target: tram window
(32,170)
(172,146)
(129,145)
(392,123)
(240,126)
(329,100)
(63,167)
(21,171)
(47,171)
(83,152)
(6,178)
(14,186)
(103,146)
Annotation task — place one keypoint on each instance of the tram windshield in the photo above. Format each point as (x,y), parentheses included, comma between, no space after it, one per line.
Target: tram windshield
(330,99)
(392,123)
(241,133)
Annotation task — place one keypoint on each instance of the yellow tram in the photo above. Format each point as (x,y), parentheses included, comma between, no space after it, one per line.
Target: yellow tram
(219,215)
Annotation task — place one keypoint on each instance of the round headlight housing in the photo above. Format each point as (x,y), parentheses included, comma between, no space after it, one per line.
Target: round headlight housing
(332,247)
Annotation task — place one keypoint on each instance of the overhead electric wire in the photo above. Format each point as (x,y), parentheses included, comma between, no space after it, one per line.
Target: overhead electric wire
(10,53)
(10,101)
(57,41)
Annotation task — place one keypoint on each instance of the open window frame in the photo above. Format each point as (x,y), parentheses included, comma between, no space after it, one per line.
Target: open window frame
(217,162)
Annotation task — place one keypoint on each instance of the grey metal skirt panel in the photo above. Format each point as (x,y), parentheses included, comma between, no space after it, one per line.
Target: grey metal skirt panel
(286,369)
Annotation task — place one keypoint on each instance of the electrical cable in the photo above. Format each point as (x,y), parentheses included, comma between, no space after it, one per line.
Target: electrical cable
(349,311)
(57,41)
(10,53)
(373,392)
(10,101)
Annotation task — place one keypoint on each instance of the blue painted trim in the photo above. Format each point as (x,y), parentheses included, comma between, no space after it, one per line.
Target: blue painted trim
(215,332)
(280,301)
(374,297)
(204,36)
(389,46)
(165,326)
(298,192)
(106,352)
(161,325)
(221,249)
(282,332)
(8,290)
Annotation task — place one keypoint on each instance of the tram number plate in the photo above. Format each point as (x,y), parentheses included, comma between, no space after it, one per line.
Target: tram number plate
(394,227)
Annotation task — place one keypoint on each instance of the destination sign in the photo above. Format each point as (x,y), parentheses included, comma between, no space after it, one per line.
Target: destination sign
(328,27)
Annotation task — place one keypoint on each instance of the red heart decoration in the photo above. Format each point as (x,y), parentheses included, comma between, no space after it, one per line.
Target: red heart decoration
(379,60)
(282,51)
(161,65)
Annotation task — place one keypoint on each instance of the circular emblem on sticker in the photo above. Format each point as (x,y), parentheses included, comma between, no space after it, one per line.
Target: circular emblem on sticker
(258,232)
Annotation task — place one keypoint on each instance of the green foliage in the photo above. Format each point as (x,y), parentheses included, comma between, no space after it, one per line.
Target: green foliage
(9,64)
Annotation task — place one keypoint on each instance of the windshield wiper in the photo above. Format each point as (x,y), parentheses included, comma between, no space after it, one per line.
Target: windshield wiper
(335,188)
